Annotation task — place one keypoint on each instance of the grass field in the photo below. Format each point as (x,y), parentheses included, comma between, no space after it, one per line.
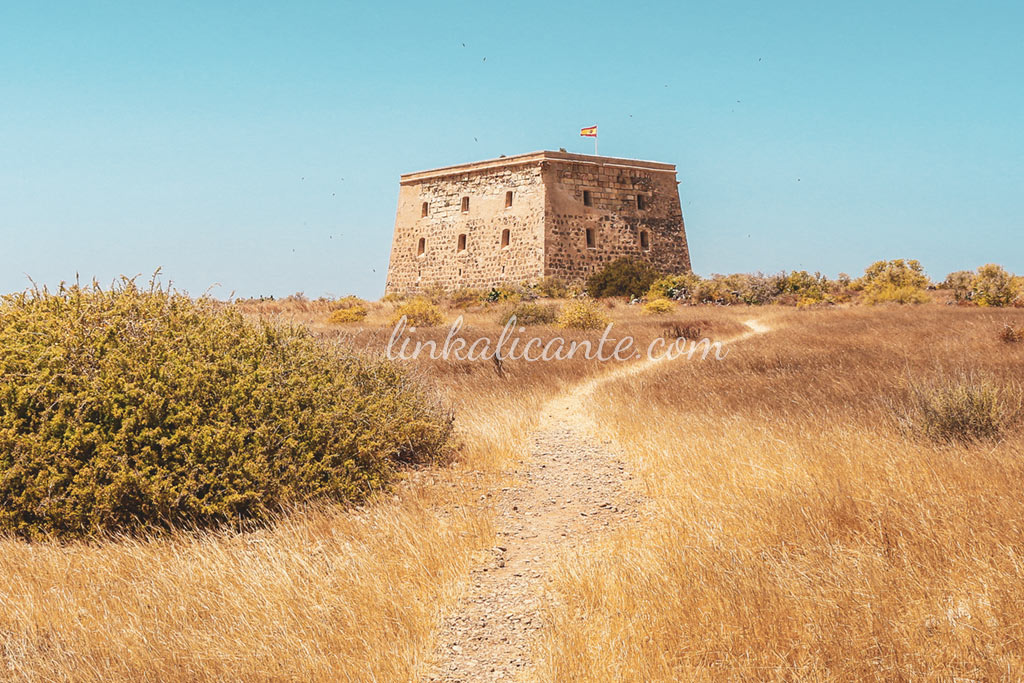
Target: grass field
(793,527)
(794,530)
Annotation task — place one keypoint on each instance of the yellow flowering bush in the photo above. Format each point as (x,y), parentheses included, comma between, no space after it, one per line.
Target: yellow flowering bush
(418,313)
(658,307)
(582,314)
(140,409)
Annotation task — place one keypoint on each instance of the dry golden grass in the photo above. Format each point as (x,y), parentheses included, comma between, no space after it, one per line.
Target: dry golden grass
(793,531)
(325,594)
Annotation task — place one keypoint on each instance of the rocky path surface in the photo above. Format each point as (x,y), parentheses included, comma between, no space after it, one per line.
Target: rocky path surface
(571,487)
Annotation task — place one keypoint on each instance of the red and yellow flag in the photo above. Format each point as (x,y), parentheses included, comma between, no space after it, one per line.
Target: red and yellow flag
(588,132)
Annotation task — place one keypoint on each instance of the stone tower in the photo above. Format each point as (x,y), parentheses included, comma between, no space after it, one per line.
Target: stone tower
(521,218)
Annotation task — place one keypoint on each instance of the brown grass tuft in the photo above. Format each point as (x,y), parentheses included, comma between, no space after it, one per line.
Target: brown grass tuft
(1011,334)
(964,408)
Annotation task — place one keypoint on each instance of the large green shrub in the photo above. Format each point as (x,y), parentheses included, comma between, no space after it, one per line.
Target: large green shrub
(130,409)
(993,286)
(898,281)
(622,277)
(807,289)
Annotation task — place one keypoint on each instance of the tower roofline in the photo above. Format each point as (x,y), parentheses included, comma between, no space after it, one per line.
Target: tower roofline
(536,157)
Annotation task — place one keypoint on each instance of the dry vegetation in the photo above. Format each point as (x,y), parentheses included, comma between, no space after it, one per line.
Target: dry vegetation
(323,595)
(794,528)
(132,409)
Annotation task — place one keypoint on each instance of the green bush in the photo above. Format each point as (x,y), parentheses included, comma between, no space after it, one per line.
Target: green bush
(719,289)
(531,313)
(135,409)
(898,281)
(418,313)
(658,307)
(892,294)
(993,286)
(349,309)
(582,314)
(795,288)
(680,287)
(960,283)
(808,289)
(469,298)
(352,314)
(622,277)
(552,288)
(348,302)
(758,289)
(508,293)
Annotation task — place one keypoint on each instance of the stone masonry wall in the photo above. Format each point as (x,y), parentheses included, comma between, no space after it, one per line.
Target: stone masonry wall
(547,221)
(614,217)
(484,262)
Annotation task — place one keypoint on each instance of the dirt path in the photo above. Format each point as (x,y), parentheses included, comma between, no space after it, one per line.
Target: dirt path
(571,487)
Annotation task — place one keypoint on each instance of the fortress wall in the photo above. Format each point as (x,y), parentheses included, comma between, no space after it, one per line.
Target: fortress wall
(484,262)
(547,221)
(614,217)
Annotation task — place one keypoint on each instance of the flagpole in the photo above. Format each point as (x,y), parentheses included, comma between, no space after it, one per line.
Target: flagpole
(595,146)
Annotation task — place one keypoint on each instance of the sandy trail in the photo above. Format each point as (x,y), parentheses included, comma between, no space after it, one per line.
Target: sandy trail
(572,486)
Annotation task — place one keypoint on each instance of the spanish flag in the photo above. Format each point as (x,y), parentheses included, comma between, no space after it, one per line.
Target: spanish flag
(588,132)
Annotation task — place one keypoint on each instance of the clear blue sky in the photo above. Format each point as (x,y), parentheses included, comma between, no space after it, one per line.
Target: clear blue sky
(257,146)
